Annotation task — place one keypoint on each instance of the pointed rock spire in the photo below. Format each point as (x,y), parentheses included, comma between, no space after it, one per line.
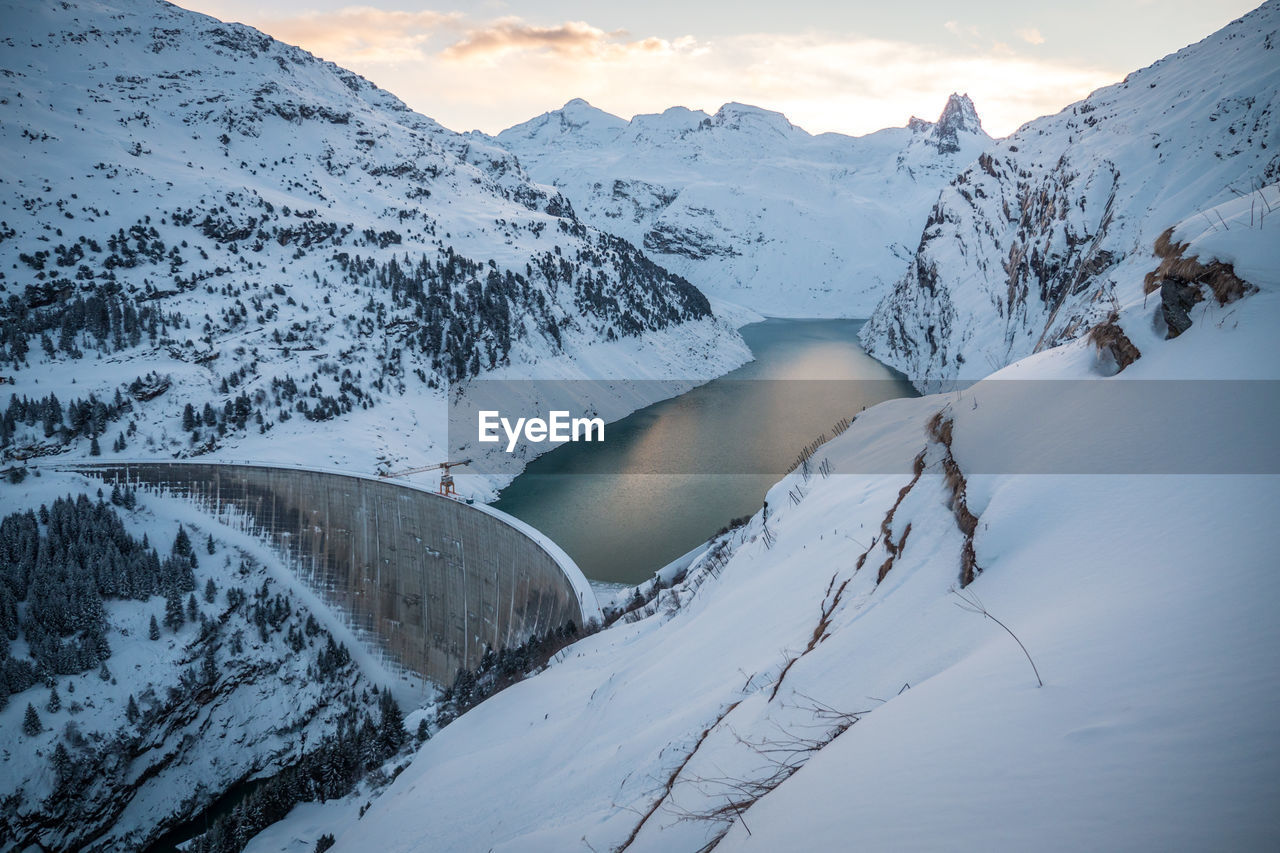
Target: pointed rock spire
(958,116)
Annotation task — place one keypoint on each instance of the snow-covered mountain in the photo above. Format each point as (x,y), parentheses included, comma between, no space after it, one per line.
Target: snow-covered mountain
(807,681)
(197,215)
(830,676)
(825,677)
(1036,242)
(214,243)
(749,207)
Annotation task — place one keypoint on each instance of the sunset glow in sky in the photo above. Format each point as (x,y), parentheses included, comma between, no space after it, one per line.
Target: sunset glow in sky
(841,66)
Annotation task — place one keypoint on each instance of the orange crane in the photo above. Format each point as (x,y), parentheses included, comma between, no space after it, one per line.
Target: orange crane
(446,479)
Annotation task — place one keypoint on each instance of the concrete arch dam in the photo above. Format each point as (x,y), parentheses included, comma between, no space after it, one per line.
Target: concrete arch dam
(428,580)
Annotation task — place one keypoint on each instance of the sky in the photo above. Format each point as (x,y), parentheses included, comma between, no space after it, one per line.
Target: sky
(850,67)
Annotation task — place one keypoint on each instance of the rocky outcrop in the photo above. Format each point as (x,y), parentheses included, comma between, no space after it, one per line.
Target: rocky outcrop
(958,117)
(1180,280)
(1007,262)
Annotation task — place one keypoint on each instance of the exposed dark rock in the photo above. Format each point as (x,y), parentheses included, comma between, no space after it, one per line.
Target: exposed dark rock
(1177,298)
(669,240)
(957,116)
(1179,279)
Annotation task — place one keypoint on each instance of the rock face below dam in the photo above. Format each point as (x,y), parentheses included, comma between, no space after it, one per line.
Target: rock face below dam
(430,581)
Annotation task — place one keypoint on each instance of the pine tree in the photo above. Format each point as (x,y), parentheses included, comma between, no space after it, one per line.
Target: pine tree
(193,609)
(94,448)
(210,592)
(61,765)
(103,672)
(132,712)
(182,543)
(391,732)
(208,545)
(209,665)
(188,418)
(153,633)
(31,725)
(55,701)
(173,617)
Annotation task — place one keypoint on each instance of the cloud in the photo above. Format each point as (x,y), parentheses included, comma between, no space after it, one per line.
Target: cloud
(570,39)
(362,34)
(858,85)
(961,30)
(1031,35)
(469,73)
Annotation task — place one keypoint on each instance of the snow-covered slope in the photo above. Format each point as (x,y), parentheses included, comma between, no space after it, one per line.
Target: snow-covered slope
(1029,246)
(813,685)
(827,678)
(749,207)
(275,238)
(832,644)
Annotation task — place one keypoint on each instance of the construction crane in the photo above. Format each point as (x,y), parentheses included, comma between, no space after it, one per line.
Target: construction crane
(446,479)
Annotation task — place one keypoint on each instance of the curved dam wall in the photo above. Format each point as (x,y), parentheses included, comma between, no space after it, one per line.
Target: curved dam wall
(431,581)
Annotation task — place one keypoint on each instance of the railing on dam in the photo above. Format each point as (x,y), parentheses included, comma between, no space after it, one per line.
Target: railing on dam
(430,580)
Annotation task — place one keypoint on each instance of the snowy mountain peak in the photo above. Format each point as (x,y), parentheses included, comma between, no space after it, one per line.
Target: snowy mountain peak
(277,199)
(671,122)
(958,117)
(736,116)
(579,112)
(577,119)
(960,113)
(718,198)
